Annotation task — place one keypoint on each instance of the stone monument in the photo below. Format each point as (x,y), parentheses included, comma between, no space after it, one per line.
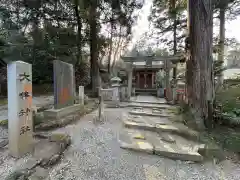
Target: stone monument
(20,124)
(64,90)
(63,76)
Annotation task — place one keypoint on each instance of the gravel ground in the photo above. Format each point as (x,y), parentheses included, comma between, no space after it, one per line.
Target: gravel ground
(95,155)
(3,132)
(8,164)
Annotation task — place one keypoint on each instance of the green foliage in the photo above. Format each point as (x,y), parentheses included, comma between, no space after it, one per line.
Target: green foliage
(3,101)
(82,73)
(163,16)
(228,106)
(232,117)
(229,98)
(227,138)
(39,32)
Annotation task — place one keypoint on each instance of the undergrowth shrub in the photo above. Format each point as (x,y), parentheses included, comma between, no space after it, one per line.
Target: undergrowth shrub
(228,105)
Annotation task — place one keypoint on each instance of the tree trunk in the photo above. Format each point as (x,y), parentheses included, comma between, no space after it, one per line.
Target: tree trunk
(93,48)
(221,42)
(175,44)
(79,29)
(111,45)
(200,35)
(118,45)
(188,74)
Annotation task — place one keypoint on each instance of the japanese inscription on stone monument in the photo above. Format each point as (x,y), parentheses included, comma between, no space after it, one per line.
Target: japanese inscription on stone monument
(26,97)
(20,107)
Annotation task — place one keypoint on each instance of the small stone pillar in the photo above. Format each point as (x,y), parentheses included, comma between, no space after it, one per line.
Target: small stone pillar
(129,84)
(123,93)
(168,85)
(20,125)
(174,89)
(81,95)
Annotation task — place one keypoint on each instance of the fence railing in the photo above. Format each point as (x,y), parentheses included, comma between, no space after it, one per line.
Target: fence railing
(107,94)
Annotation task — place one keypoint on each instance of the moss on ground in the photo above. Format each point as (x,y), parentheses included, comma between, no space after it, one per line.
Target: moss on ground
(3,101)
(37,119)
(173,110)
(4,122)
(227,138)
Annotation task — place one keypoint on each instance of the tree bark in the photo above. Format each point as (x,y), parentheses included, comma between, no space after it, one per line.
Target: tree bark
(93,48)
(200,35)
(221,42)
(175,45)
(118,45)
(79,29)
(111,44)
(189,69)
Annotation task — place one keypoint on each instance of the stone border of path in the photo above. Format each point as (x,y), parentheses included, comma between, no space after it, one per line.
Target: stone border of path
(57,123)
(37,167)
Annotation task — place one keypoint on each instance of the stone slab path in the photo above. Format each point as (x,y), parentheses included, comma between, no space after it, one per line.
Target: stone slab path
(154,111)
(148,105)
(171,146)
(148,99)
(158,134)
(95,154)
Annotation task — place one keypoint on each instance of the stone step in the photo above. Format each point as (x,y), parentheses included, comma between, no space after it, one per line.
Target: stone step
(149,105)
(127,141)
(139,125)
(179,129)
(170,146)
(139,146)
(143,113)
(148,102)
(153,111)
(161,126)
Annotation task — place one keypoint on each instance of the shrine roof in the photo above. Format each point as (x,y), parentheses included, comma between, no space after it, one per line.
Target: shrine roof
(175,58)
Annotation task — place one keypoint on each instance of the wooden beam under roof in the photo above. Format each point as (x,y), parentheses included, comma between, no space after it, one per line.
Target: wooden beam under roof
(175,58)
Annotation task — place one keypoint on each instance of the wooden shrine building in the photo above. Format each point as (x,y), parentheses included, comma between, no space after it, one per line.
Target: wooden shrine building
(144,69)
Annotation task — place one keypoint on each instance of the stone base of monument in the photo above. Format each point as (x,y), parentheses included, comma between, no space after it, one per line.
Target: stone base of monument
(59,113)
(48,151)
